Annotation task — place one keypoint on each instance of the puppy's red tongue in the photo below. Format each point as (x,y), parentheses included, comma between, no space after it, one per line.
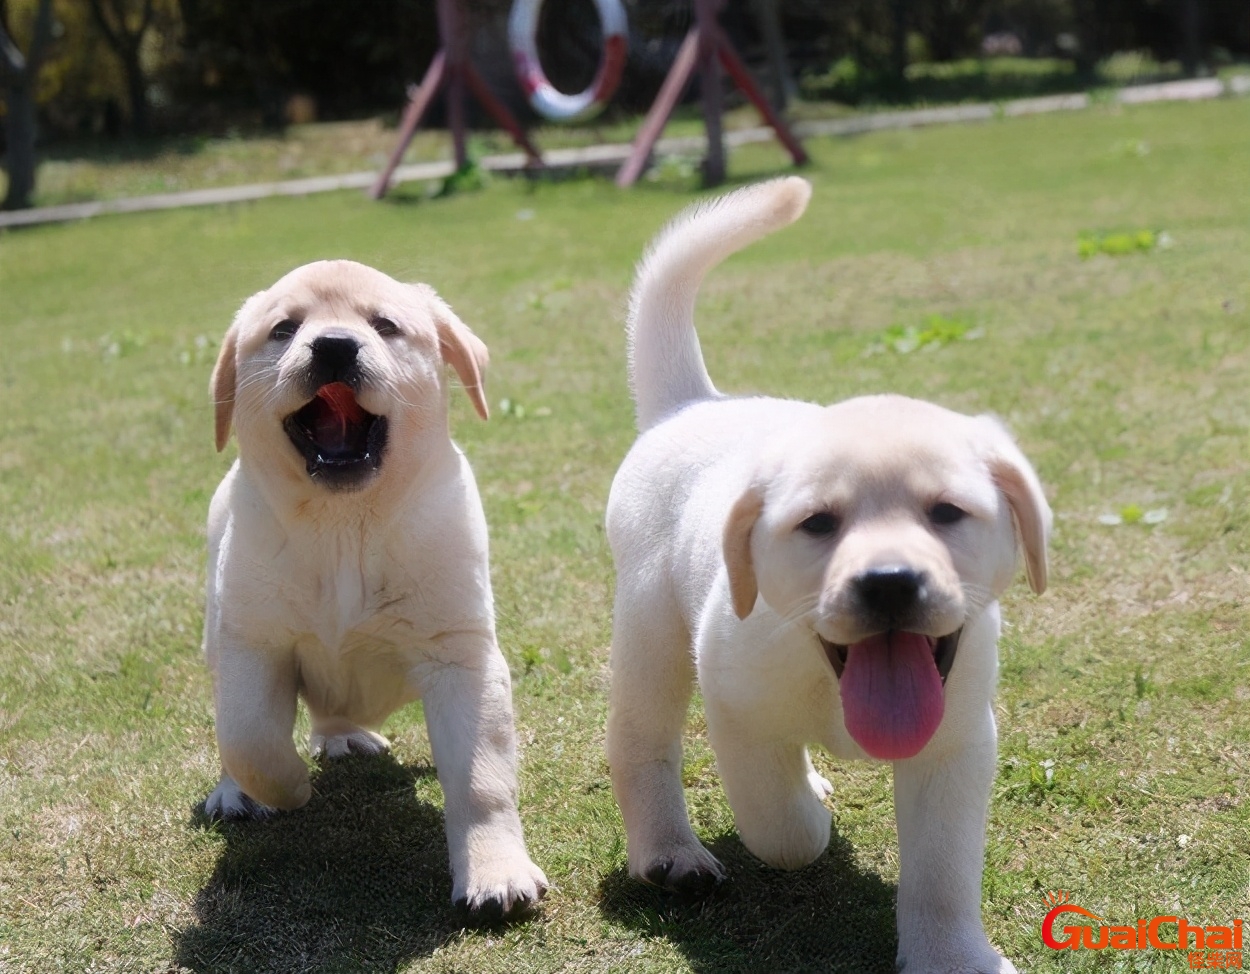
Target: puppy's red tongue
(339,408)
(891,694)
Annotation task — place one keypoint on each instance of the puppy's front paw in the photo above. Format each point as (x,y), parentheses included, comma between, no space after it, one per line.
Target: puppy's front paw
(954,958)
(228,803)
(345,742)
(688,872)
(819,784)
(498,888)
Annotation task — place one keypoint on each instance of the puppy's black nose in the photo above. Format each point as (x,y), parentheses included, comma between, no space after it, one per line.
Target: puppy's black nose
(890,591)
(335,355)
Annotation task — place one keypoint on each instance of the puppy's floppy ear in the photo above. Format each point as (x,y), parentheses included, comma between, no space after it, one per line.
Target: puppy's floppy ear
(1016,479)
(736,544)
(462,350)
(224,381)
(222,384)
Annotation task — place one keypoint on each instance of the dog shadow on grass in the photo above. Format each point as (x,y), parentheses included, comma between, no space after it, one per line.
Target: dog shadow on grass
(829,916)
(356,880)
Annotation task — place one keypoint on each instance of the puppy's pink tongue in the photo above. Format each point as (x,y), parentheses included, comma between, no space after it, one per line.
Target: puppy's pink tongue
(339,397)
(339,408)
(891,694)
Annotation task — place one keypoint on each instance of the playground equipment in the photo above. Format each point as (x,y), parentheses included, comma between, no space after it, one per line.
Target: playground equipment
(706,47)
(451,67)
(548,101)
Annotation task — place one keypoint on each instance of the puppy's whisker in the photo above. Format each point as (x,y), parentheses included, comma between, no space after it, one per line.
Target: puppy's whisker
(263,378)
(796,612)
(392,392)
(977,597)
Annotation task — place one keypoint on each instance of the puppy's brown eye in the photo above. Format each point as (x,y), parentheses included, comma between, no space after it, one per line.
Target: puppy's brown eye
(943,514)
(384,326)
(819,525)
(284,330)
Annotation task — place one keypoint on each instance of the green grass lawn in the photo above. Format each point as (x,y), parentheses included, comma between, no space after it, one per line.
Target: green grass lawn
(1125,689)
(96,169)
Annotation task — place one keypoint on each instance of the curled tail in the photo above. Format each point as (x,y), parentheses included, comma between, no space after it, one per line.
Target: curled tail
(666,367)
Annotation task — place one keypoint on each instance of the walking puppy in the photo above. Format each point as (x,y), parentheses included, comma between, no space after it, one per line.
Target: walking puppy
(830,576)
(347,561)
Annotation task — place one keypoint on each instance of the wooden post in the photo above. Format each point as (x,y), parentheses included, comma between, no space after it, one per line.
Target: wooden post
(661,109)
(449,28)
(705,12)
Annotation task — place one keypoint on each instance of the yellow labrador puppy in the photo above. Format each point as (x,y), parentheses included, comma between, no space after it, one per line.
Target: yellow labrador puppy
(347,561)
(829,574)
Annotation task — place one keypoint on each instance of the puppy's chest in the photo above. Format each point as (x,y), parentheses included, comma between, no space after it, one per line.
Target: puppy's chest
(341,603)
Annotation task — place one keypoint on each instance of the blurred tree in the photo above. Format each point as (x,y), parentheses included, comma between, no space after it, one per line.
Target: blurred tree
(349,58)
(19,74)
(125,29)
(217,65)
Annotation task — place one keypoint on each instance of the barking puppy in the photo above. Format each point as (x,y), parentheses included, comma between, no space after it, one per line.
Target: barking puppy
(830,576)
(347,561)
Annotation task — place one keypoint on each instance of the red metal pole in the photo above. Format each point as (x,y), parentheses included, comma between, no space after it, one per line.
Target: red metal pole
(452,69)
(742,78)
(708,47)
(661,109)
(481,91)
(419,99)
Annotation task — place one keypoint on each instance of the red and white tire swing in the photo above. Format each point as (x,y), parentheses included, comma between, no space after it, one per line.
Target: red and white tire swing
(546,99)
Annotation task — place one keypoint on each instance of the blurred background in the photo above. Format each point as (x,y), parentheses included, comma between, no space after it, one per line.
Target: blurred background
(108,79)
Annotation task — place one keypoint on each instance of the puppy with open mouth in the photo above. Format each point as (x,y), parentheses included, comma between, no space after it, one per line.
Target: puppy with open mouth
(348,563)
(828,575)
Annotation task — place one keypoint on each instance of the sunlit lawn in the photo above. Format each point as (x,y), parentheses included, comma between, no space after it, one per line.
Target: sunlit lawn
(1125,740)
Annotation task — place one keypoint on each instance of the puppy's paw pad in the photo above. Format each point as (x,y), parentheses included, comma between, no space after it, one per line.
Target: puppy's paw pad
(228,803)
(359,741)
(820,785)
(491,897)
(689,874)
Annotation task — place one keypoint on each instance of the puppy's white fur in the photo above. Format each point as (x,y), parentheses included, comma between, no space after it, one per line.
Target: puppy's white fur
(717,581)
(360,600)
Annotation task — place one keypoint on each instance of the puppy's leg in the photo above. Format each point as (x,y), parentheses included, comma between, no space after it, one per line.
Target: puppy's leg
(821,785)
(652,679)
(941,803)
(468,710)
(337,737)
(228,803)
(773,791)
(254,694)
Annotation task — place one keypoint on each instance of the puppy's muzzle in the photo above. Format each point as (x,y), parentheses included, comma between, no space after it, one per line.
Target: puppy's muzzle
(894,598)
(890,597)
(334,359)
(341,442)
(944,650)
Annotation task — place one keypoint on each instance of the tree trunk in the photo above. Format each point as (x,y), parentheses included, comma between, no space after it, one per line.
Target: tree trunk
(898,40)
(19,74)
(137,91)
(126,44)
(19,133)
